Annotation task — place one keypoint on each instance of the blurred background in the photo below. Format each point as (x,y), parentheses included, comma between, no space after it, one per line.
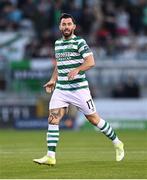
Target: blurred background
(115,30)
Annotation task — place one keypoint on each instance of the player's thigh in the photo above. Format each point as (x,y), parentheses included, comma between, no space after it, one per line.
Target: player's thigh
(85,102)
(58,100)
(55,115)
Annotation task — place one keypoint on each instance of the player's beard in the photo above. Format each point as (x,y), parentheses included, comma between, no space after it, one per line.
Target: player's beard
(67,33)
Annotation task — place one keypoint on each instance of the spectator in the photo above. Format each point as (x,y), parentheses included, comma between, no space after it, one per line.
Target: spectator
(102,36)
(110,18)
(15,15)
(128,89)
(89,20)
(144,19)
(118,91)
(131,88)
(122,22)
(135,13)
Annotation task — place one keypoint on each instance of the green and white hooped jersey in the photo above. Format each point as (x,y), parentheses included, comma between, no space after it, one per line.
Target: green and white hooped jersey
(69,55)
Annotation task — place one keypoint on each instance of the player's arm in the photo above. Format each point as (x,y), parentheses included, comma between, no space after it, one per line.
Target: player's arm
(86,53)
(88,63)
(50,85)
(54,75)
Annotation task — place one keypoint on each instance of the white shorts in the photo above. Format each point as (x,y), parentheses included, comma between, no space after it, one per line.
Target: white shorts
(80,98)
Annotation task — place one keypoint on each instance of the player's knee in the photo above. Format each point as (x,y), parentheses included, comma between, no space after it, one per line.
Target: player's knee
(93,119)
(52,119)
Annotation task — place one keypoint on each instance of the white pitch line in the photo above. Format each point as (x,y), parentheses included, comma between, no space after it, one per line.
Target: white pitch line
(75,152)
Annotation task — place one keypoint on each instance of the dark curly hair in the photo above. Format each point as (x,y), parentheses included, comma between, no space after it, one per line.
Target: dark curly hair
(65,15)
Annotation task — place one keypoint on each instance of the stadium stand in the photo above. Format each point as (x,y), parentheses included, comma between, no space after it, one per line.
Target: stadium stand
(115,30)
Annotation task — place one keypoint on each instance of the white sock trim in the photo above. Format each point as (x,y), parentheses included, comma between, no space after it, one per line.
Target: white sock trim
(53,127)
(101,123)
(116,141)
(51,154)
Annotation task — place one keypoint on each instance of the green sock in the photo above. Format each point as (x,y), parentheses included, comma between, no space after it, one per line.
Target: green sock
(52,139)
(106,129)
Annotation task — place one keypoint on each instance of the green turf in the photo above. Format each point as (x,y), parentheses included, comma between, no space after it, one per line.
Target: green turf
(80,155)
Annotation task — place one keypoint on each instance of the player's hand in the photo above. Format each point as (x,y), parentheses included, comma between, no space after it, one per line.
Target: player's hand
(49,86)
(72,74)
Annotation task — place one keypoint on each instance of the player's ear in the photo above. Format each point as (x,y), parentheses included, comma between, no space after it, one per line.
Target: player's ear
(59,26)
(74,26)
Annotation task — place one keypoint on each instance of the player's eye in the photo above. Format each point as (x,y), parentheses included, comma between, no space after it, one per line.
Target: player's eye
(69,24)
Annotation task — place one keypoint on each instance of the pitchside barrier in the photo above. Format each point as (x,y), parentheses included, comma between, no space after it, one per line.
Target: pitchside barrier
(121,113)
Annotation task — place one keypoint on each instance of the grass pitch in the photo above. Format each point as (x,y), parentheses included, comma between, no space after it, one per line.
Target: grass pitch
(80,155)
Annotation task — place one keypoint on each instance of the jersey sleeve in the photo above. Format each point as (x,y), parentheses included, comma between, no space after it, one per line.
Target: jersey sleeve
(84,49)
